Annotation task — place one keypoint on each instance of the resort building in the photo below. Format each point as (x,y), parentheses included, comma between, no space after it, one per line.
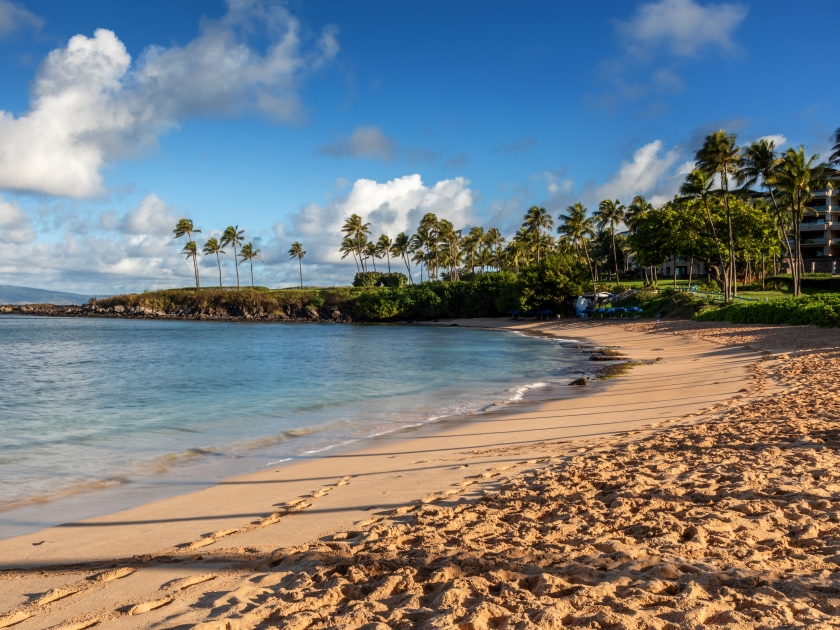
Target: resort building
(820,230)
(682,268)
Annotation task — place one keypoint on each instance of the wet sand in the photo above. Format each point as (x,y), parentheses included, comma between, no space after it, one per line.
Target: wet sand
(578,510)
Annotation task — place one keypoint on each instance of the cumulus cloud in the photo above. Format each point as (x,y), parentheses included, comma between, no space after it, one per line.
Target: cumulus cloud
(14,17)
(639,175)
(366,142)
(517,146)
(778,139)
(391,207)
(90,104)
(684,27)
(14,224)
(153,216)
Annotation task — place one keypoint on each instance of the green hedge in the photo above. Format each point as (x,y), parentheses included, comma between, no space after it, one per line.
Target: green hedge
(817,310)
(379,279)
(824,281)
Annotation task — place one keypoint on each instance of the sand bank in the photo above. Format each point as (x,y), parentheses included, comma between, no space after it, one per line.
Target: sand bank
(626,506)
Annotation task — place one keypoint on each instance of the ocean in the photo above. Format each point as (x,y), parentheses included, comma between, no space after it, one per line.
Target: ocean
(125,408)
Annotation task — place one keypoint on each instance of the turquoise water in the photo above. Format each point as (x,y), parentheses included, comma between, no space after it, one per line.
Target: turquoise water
(95,403)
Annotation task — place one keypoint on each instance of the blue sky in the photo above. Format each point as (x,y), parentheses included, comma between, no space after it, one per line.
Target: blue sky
(283,118)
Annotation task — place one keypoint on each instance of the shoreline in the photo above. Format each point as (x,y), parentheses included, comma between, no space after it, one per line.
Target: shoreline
(256,515)
(126,490)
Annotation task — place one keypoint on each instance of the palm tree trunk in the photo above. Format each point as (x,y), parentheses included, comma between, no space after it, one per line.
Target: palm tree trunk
(797,277)
(251,262)
(675,271)
(300,271)
(589,263)
(405,260)
(690,271)
(725,180)
(781,223)
(615,254)
(219,260)
(388,257)
(236,262)
(716,239)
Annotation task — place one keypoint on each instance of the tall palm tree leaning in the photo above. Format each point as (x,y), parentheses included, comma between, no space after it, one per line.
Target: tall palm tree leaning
(355,226)
(249,253)
(185,227)
(610,213)
(233,236)
(721,155)
(797,178)
(698,186)
(400,248)
(760,162)
(537,219)
(577,227)
(190,251)
(296,251)
(212,246)
(383,247)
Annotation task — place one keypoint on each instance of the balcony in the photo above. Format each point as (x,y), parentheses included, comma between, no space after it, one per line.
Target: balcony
(815,241)
(814,225)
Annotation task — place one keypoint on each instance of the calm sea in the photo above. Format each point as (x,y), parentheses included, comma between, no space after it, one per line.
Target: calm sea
(90,404)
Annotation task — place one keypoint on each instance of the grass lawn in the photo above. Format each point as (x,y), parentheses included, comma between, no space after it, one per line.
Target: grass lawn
(770,295)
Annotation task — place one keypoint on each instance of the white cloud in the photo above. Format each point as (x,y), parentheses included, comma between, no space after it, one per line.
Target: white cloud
(684,27)
(391,207)
(14,224)
(90,105)
(367,142)
(640,175)
(14,17)
(153,216)
(778,139)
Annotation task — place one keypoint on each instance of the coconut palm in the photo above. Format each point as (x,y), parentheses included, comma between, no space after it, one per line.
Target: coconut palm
(610,213)
(249,253)
(432,239)
(190,251)
(471,244)
(834,158)
(796,179)
(578,227)
(383,248)
(424,240)
(493,239)
(536,220)
(296,251)
(348,246)
(401,248)
(185,227)
(720,155)
(698,186)
(639,206)
(233,236)
(212,246)
(759,162)
(370,252)
(355,226)
(451,239)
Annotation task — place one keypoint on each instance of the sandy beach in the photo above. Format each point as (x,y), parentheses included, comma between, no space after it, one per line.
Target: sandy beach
(698,489)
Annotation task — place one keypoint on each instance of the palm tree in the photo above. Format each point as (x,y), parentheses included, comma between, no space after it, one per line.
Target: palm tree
(639,206)
(610,213)
(834,158)
(249,253)
(233,236)
(423,240)
(797,178)
(760,162)
(296,251)
(383,248)
(577,227)
(722,156)
(355,226)
(212,246)
(348,246)
(537,219)
(493,239)
(401,247)
(370,252)
(429,222)
(184,227)
(451,238)
(190,251)
(698,186)
(471,244)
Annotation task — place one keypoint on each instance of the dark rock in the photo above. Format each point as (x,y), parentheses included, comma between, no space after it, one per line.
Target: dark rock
(579,381)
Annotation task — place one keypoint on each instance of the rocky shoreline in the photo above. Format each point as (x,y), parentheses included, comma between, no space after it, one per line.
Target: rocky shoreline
(306,314)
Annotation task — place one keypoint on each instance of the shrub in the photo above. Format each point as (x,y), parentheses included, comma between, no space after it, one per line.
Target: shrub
(817,310)
(366,279)
(551,283)
(824,281)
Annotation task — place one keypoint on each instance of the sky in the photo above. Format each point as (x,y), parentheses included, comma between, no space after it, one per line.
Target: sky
(283,118)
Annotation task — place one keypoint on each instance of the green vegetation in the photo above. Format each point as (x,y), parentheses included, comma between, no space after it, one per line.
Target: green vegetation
(817,310)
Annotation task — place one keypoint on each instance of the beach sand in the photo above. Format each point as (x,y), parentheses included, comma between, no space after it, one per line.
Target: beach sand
(699,489)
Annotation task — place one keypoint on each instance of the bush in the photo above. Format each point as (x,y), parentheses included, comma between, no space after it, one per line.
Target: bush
(378,279)
(824,281)
(817,310)
(550,284)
